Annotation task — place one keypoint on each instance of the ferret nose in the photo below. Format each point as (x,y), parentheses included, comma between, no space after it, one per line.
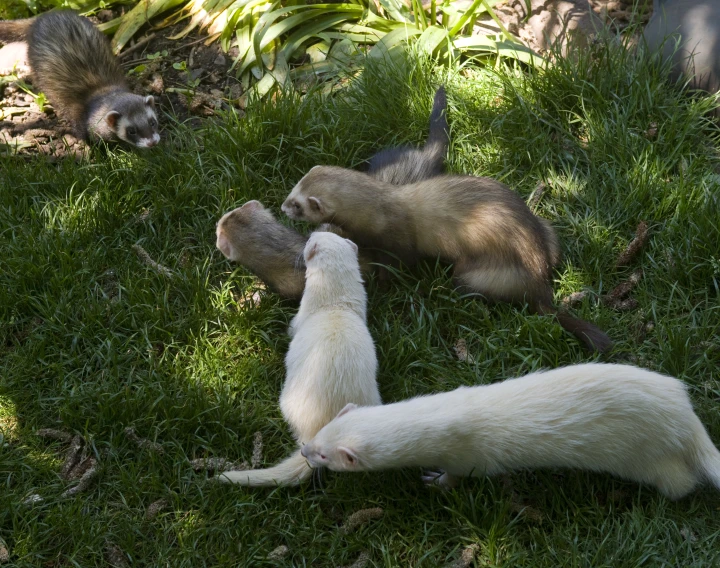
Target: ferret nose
(152,142)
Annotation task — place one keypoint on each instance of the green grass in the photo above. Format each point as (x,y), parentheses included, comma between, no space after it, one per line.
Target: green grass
(94,341)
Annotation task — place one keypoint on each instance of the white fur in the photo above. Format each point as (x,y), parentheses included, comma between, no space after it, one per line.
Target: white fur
(620,419)
(331,360)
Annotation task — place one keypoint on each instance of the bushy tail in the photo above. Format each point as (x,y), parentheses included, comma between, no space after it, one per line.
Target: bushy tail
(14,30)
(293,471)
(590,335)
(708,456)
(438,140)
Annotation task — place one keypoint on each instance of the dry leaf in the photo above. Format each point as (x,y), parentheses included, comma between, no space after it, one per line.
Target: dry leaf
(278,553)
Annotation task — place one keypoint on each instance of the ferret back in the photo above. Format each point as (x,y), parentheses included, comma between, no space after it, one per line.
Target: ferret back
(71,60)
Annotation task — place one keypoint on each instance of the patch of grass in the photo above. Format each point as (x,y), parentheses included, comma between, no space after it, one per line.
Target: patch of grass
(93,340)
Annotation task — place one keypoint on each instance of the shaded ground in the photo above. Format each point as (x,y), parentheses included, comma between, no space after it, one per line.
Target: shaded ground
(192,80)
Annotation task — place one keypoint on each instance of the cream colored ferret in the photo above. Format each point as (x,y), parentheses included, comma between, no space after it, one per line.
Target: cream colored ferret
(619,419)
(331,360)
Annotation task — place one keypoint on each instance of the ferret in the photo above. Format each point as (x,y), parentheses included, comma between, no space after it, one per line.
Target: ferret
(619,419)
(331,360)
(498,247)
(403,164)
(251,236)
(72,63)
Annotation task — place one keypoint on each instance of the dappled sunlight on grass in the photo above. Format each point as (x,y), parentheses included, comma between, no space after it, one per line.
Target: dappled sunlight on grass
(96,340)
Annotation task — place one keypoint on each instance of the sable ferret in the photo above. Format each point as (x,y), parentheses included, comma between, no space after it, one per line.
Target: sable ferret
(498,247)
(251,236)
(331,360)
(404,164)
(72,63)
(619,419)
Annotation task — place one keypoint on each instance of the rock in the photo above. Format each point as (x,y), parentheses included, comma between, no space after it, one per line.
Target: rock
(697,24)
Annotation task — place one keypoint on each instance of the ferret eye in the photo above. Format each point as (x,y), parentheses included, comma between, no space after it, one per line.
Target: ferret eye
(131,131)
(322,457)
(297,206)
(152,122)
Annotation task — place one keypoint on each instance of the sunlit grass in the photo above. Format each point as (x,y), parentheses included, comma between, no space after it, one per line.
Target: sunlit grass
(93,340)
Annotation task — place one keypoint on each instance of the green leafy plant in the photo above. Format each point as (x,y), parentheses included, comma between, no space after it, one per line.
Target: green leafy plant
(268,37)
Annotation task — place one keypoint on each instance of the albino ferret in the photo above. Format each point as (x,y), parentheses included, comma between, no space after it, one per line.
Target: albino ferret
(331,360)
(619,419)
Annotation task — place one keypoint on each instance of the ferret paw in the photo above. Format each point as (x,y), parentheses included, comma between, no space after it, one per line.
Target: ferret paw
(439,478)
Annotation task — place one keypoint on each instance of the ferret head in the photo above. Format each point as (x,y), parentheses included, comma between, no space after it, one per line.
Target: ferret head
(311,199)
(133,120)
(239,226)
(329,251)
(336,446)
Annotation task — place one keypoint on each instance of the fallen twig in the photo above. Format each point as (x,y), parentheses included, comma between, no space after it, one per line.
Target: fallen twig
(633,248)
(145,257)
(85,480)
(137,45)
(466,558)
(54,434)
(537,195)
(155,508)
(217,464)
(143,442)
(359,518)
(256,459)
(618,299)
(574,299)
(73,455)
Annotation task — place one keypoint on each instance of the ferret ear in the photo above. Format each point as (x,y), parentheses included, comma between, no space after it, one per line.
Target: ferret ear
(252,205)
(315,204)
(223,244)
(354,246)
(150,101)
(311,253)
(348,456)
(347,408)
(111,119)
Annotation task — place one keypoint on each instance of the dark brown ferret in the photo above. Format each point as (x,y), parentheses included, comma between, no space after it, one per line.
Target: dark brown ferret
(498,247)
(72,63)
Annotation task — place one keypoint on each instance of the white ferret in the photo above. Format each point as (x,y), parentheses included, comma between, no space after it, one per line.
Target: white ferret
(620,419)
(331,360)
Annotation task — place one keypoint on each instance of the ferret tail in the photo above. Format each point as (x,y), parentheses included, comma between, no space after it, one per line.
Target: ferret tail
(14,30)
(293,471)
(708,456)
(590,335)
(438,140)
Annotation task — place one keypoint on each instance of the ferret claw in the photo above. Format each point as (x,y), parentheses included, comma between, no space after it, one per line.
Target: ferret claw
(439,478)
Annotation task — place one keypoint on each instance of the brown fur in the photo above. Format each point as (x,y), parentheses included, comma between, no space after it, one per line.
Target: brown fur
(251,236)
(498,247)
(72,63)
